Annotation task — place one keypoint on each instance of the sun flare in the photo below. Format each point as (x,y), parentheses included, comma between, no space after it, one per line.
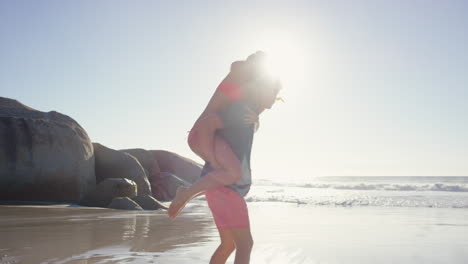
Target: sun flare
(285,56)
(285,60)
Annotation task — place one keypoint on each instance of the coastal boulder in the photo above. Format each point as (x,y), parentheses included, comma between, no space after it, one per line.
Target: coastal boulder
(184,168)
(166,171)
(148,202)
(109,189)
(165,186)
(111,163)
(124,203)
(44,156)
(147,160)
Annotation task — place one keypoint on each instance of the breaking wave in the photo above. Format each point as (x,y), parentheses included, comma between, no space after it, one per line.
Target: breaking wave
(438,187)
(392,187)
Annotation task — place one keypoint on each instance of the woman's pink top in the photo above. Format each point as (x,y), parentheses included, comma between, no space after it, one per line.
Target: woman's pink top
(233,91)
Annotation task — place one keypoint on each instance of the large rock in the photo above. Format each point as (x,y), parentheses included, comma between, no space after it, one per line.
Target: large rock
(124,203)
(116,164)
(184,168)
(109,189)
(165,186)
(148,202)
(167,171)
(147,160)
(44,156)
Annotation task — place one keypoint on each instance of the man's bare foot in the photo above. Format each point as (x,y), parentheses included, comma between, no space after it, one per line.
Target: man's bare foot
(180,200)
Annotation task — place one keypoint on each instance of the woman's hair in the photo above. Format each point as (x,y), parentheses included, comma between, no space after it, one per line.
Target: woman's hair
(259,57)
(253,66)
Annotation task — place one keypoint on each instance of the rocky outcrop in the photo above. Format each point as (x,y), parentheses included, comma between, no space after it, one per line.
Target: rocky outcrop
(44,156)
(147,160)
(165,186)
(166,171)
(116,164)
(184,168)
(148,202)
(109,189)
(48,157)
(124,203)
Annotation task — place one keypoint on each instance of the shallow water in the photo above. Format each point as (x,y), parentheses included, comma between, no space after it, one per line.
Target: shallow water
(283,233)
(440,192)
(61,234)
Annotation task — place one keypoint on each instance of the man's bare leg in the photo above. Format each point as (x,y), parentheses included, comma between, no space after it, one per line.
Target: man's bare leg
(225,249)
(244,243)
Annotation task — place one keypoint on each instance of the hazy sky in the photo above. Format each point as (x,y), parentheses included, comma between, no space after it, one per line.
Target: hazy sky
(371,87)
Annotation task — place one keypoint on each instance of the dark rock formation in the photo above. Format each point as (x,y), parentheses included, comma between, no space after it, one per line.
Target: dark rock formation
(167,171)
(147,160)
(148,202)
(165,186)
(48,157)
(44,156)
(109,189)
(116,164)
(186,169)
(124,203)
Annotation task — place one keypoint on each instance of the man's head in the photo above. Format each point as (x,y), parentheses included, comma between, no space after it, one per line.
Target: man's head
(258,83)
(263,90)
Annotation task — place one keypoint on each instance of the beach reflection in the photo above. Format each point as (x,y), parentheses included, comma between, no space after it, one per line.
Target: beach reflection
(283,233)
(57,234)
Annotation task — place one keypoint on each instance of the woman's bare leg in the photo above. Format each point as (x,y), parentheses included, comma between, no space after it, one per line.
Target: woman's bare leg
(203,143)
(230,173)
(225,249)
(244,243)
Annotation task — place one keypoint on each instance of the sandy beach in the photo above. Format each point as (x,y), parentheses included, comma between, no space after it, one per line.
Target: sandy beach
(341,123)
(283,233)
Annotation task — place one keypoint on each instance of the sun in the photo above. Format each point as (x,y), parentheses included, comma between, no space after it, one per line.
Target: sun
(285,56)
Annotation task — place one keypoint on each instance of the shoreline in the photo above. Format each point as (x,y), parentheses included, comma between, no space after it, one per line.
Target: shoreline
(283,233)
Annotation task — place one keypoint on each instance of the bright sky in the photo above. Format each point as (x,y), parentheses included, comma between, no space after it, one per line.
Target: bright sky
(371,87)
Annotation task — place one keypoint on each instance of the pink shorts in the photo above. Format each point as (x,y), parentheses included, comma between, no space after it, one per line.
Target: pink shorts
(229,209)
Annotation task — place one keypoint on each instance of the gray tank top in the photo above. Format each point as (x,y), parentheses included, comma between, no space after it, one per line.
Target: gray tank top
(240,137)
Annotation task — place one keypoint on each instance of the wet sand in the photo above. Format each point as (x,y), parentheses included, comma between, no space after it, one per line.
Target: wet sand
(283,233)
(68,234)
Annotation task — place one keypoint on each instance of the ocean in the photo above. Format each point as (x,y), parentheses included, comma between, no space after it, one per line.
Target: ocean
(381,191)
